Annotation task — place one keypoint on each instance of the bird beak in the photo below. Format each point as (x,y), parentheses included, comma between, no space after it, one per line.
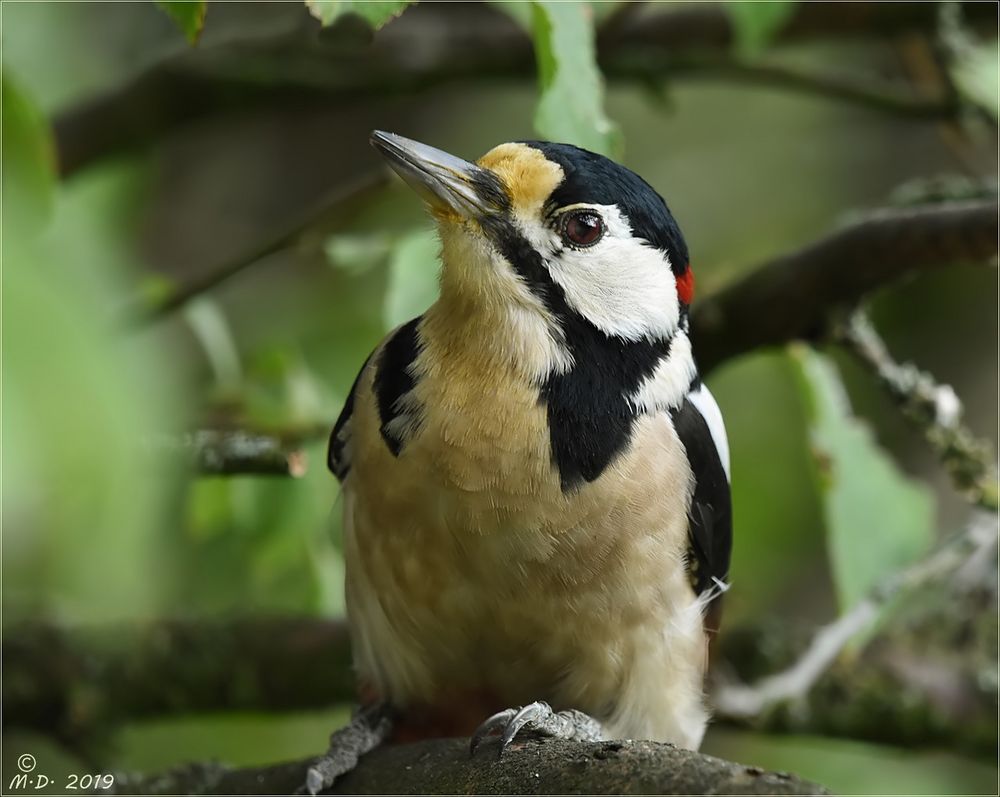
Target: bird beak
(450,185)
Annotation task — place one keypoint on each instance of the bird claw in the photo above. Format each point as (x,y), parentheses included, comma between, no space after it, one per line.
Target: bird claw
(539,719)
(493,724)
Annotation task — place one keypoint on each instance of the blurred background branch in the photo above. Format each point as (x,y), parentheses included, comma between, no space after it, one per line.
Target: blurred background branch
(471,44)
(793,296)
(220,452)
(173,300)
(922,678)
(81,684)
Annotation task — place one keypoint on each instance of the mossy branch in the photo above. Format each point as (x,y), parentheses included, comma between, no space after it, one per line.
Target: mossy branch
(933,408)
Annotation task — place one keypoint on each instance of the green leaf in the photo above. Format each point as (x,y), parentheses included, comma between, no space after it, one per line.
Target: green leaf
(413,272)
(570,108)
(755,24)
(188,14)
(375,12)
(28,161)
(974,70)
(211,329)
(356,253)
(877,519)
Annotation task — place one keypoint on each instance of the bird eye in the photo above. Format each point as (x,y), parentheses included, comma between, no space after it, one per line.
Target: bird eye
(583,228)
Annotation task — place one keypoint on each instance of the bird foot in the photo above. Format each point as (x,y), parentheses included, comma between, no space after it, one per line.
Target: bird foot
(368,728)
(539,719)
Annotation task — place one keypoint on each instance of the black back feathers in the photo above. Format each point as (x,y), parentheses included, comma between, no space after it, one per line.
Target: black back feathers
(393,380)
(710,520)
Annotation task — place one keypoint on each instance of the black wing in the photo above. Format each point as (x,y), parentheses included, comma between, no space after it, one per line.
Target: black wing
(710,521)
(338,458)
(393,381)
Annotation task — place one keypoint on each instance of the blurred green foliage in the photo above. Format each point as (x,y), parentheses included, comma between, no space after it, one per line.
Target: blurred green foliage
(98,529)
(756,24)
(188,14)
(81,501)
(571,90)
(412,286)
(375,12)
(28,162)
(976,72)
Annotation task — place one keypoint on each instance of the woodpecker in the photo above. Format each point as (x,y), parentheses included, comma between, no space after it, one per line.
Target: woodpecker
(535,479)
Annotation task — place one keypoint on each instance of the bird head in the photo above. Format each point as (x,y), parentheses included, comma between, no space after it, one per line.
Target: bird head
(556,234)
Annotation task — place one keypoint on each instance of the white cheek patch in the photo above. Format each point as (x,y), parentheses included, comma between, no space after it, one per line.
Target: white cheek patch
(621,284)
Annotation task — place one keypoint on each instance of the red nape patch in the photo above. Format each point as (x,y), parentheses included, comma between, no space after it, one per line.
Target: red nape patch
(685,285)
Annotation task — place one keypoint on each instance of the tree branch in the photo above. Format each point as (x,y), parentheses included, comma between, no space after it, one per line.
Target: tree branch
(443,766)
(792,296)
(932,408)
(905,688)
(471,42)
(221,452)
(79,684)
(652,63)
(708,25)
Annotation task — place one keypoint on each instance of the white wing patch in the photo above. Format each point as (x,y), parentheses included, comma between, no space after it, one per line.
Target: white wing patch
(704,402)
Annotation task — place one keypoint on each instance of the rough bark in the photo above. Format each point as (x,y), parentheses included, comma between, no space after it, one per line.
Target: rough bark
(443,766)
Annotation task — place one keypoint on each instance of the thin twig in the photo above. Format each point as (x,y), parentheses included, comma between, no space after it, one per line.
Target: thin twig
(708,25)
(931,407)
(794,683)
(652,63)
(235,452)
(344,194)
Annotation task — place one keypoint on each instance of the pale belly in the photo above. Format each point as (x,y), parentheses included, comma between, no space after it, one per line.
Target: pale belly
(468,576)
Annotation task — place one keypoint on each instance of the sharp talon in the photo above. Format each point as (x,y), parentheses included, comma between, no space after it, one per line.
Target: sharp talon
(529,713)
(540,720)
(489,726)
